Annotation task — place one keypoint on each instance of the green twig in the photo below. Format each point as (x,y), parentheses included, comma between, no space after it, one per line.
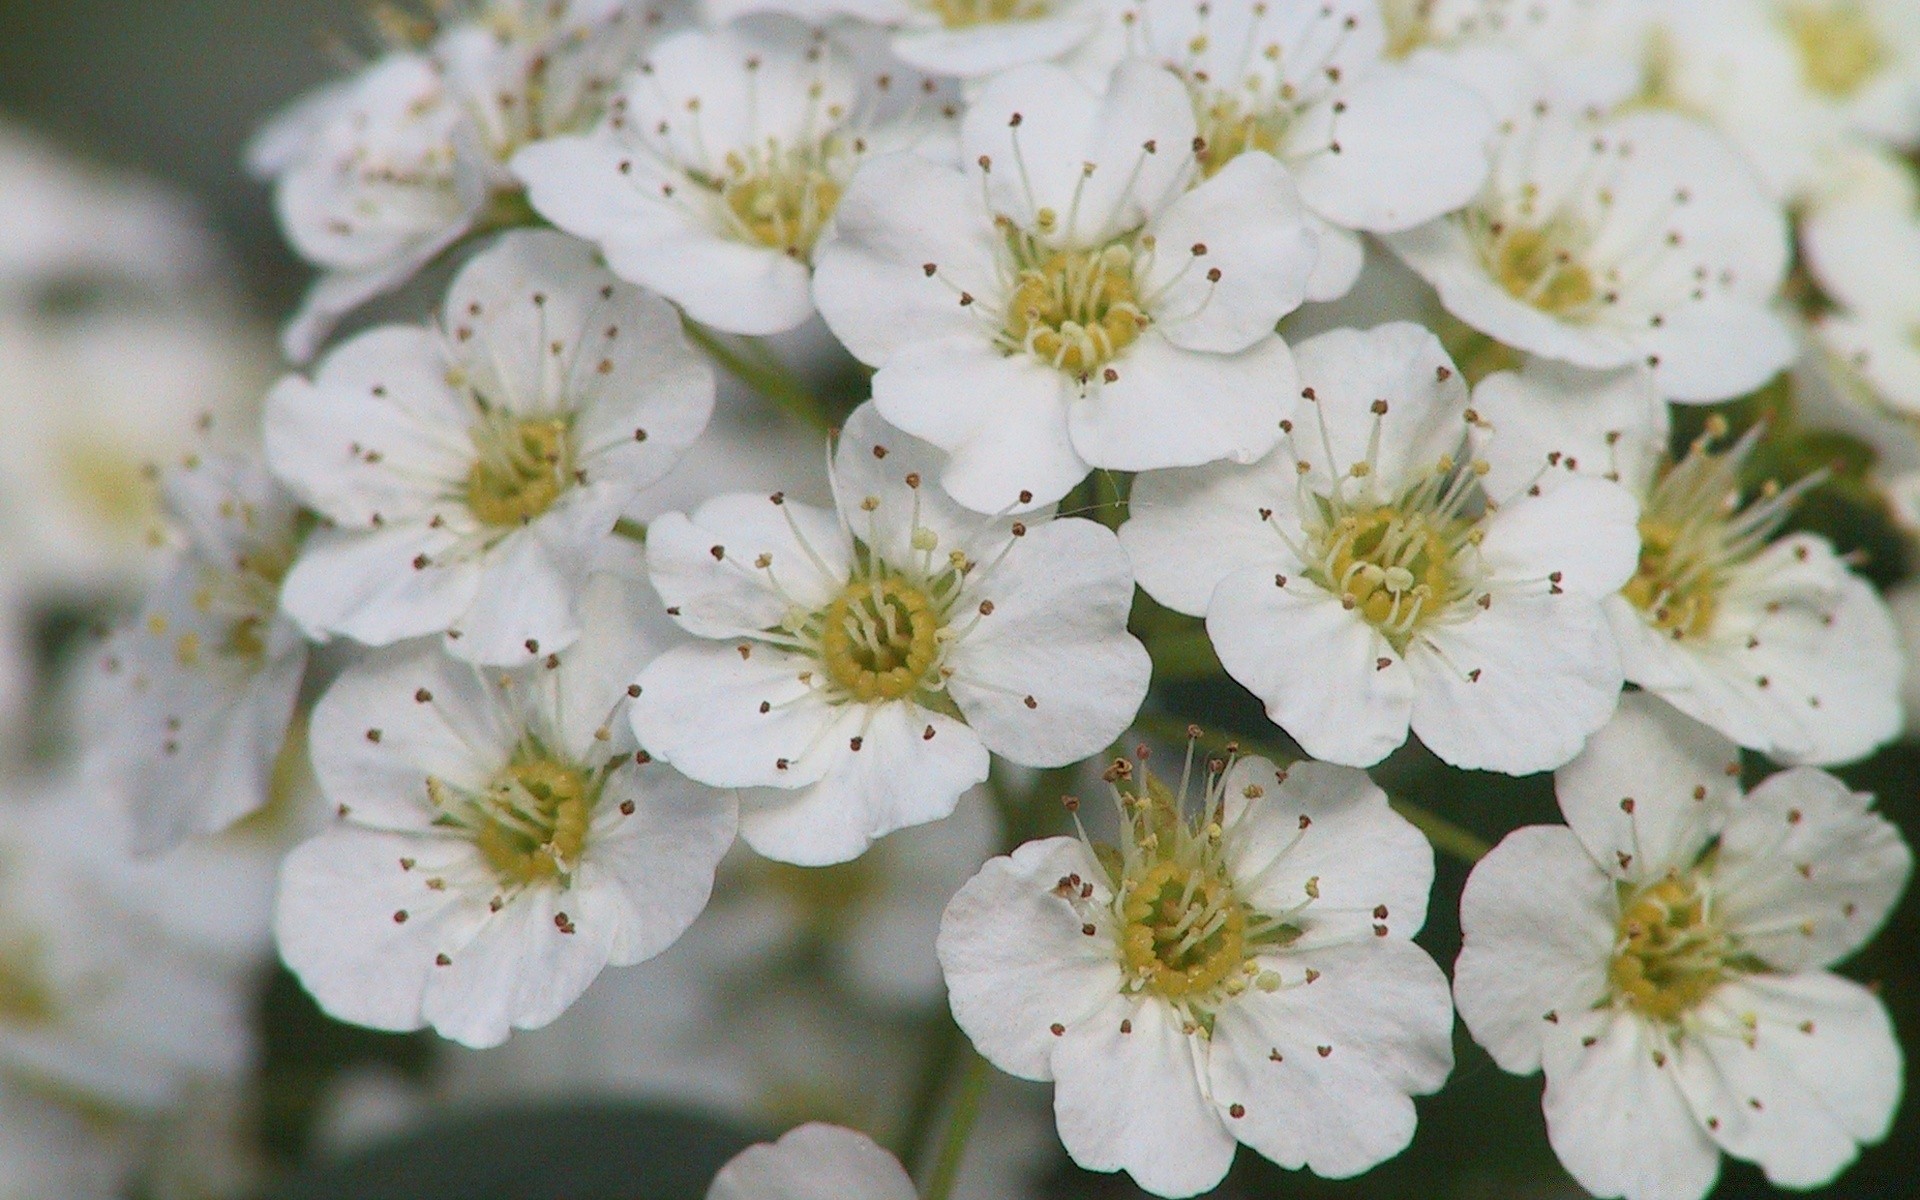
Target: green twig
(764,374)
(944,1045)
(631,529)
(960,1121)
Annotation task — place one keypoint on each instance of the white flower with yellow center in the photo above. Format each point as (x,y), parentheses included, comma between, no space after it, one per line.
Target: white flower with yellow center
(1591,50)
(1066,300)
(1768,638)
(377,175)
(1606,243)
(1372,145)
(1664,958)
(1362,579)
(813,1162)
(500,839)
(970,39)
(1792,81)
(471,470)
(859,665)
(188,705)
(1242,973)
(718,167)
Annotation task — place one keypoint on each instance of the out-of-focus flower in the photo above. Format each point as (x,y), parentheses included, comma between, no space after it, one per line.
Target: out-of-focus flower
(814,1162)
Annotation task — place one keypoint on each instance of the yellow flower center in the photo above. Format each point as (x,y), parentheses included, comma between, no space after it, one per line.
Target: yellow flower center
(1185,934)
(26,997)
(781,199)
(1669,951)
(1680,599)
(1840,49)
(966,14)
(1539,266)
(1408,25)
(1076,309)
(522,467)
(1230,129)
(880,638)
(1395,567)
(530,824)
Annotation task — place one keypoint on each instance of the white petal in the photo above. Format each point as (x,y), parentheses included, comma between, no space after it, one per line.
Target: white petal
(1381,1012)
(1548,421)
(1164,406)
(1583,536)
(1649,791)
(1537,924)
(1348,370)
(1807,871)
(528,597)
(1167,1134)
(813,1162)
(1832,1035)
(1343,255)
(1188,529)
(736,720)
(649,872)
(1052,675)
(1717,349)
(1412,147)
(981,50)
(1314,665)
(888,478)
(1249,220)
(380,586)
(727,594)
(1015,958)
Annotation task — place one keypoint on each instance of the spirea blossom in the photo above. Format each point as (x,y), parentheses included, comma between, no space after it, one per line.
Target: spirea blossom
(813,1162)
(470,471)
(859,664)
(1664,958)
(1241,973)
(1068,299)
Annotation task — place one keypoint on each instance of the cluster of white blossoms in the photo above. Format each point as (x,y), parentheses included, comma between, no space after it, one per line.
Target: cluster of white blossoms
(1412,366)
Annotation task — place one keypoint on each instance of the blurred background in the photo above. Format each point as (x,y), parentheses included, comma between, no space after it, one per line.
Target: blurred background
(763,1015)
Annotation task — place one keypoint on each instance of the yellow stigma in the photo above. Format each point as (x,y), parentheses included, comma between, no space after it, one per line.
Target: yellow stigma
(966,14)
(1680,600)
(26,998)
(1840,49)
(1395,566)
(880,638)
(523,465)
(1076,309)
(1184,932)
(781,199)
(1669,951)
(530,824)
(1230,129)
(1539,266)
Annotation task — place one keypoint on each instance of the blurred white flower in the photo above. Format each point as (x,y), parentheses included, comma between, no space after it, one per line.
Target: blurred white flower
(471,471)
(971,39)
(1364,579)
(1663,958)
(1768,638)
(47,1150)
(814,1162)
(1590,51)
(375,176)
(1866,257)
(1064,301)
(1372,144)
(721,162)
(1603,243)
(858,665)
(1243,973)
(499,841)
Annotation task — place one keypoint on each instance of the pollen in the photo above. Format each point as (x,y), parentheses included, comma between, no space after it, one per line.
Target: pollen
(1230,128)
(530,823)
(1541,266)
(522,466)
(780,197)
(880,638)
(1075,309)
(1669,950)
(1840,49)
(1185,933)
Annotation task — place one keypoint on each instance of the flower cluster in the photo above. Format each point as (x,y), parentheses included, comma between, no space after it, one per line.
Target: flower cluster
(1425,366)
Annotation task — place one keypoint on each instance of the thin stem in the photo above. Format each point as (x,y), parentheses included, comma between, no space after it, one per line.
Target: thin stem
(764,374)
(630,529)
(944,1044)
(966,1110)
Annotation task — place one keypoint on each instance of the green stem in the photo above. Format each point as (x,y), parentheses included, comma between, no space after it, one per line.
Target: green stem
(767,375)
(966,1110)
(944,1044)
(1181,655)
(633,530)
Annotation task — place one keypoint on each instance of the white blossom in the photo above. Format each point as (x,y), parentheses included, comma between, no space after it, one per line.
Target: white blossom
(858,665)
(498,842)
(1242,974)
(813,1162)
(471,470)
(1066,300)
(1663,957)
(1767,637)
(970,39)
(1642,238)
(720,163)
(1866,257)
(1364,579)
(1591,52)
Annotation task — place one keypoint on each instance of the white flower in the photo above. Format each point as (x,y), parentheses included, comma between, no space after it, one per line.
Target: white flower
(1770,639)
(1360,580)
(48,1150)
(863,662)
(1241,974)
(1866,257)
(374,177)
(1065,301)
(1792,80)
(1373,145)
(1590,51)
(1605,243)
(498,841)
(471,471)
(190,702)
(813,1162)
(719,164)
(1663,958)
(970,39)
